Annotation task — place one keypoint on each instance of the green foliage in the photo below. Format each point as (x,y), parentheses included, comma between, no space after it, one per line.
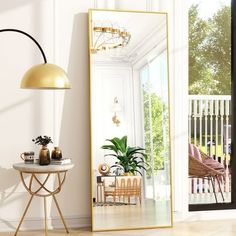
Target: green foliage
(156,129)
(197,34)
(130,159)
(210,52)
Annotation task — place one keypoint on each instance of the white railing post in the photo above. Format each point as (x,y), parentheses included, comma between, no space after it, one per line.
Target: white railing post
(206,115)
(222,129)
(216,128)
(200,122)
(189,119)
(195,102)
(211,125)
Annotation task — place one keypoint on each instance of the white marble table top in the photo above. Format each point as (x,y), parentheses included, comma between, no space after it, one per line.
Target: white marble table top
(41,169)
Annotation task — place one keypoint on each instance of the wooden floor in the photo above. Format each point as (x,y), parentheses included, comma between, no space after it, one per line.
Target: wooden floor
(148,214)
(204,228)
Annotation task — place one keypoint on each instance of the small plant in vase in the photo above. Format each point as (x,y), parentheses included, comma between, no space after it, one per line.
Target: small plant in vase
(44,154)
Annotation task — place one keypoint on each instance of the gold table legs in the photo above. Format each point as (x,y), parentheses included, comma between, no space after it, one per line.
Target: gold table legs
(59,210)
(45,215)
(46,194)
(23,216)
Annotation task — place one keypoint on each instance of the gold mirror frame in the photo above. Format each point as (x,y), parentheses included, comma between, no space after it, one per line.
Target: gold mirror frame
(116,119)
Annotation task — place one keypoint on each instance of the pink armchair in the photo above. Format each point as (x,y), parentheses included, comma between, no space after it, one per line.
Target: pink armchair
(203,166)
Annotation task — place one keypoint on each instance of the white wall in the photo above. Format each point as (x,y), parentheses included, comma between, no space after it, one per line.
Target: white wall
(27,114)
(23,114)
(108,82)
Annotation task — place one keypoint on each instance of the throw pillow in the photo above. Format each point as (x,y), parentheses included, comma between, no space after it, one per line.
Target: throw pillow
(196,152)
(190,149)
(213,164)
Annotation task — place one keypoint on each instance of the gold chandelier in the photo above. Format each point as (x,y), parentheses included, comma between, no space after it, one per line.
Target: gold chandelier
(105,38)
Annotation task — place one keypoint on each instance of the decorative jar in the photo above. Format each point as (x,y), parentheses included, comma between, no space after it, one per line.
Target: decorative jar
(56,153)
(44,156)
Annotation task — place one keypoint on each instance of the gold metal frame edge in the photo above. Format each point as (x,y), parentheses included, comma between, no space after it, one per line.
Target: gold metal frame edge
(90,10)
(170,123)
(90,110)
(135,228)
(139,11)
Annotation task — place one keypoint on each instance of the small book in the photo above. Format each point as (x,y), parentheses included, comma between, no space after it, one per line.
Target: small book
(61,161)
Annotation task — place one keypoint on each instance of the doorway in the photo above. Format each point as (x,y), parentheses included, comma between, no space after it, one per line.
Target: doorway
(210,115)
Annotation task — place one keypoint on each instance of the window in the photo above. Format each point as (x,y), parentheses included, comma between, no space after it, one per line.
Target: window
(154,94)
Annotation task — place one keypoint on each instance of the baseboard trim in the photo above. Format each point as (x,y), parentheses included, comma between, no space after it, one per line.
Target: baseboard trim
(8,225)
(204,215)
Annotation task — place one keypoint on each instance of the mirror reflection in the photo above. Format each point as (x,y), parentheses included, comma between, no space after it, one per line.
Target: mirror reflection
(130,143)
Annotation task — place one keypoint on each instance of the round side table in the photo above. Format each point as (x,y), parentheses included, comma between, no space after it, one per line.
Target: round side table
(36,171)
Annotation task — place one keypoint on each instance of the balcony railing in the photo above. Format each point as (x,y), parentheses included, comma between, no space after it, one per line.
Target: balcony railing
(209,125)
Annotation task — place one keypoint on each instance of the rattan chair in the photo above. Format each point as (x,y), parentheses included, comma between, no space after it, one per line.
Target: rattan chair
(125,187)
(204,169)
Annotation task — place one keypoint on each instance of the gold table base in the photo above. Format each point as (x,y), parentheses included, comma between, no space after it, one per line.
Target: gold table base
(45,194)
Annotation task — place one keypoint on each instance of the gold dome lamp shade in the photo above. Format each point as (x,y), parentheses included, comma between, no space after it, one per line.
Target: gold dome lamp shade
(45,75)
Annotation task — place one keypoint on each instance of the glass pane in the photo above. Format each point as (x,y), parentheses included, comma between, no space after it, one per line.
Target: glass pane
(154,86)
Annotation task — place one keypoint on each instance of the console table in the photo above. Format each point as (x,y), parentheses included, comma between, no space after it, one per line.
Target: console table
(37,173)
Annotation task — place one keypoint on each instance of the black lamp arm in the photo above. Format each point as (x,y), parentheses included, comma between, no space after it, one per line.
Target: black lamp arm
(29,36)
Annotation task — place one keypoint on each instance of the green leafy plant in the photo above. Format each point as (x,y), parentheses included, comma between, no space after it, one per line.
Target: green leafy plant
(42,140)
(130,159)
(209,39)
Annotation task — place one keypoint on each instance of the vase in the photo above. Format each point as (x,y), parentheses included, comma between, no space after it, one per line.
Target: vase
(44,156)
(56,153)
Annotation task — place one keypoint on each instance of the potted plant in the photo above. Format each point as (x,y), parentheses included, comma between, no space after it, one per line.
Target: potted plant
(130,159)
(44,154)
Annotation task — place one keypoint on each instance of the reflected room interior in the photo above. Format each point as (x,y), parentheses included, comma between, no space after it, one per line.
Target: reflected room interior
(130,134)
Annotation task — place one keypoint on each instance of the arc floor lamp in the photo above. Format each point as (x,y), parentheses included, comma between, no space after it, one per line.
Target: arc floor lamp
(42,76)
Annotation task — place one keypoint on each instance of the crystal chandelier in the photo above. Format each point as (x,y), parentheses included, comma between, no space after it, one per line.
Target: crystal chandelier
(109,37)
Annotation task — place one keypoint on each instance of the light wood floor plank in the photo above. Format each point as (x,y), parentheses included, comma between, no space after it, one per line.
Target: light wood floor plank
(204,228)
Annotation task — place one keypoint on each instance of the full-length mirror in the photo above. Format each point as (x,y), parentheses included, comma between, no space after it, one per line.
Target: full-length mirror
(130,131)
